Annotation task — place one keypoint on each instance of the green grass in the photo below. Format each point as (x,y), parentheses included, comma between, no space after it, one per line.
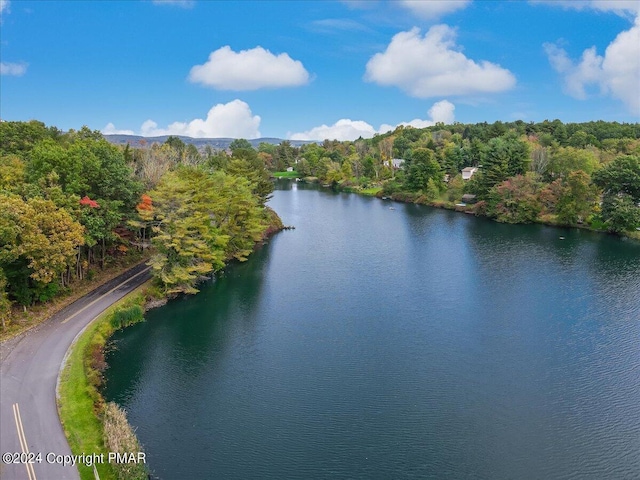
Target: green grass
(79,401)
(373,191)
(293,174)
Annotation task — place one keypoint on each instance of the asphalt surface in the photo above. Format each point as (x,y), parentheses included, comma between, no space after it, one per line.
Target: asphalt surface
(29,368)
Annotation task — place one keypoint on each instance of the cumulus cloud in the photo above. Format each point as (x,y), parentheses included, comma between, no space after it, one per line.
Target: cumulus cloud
(233,119)
(343,129)
(13,69)
(617,73)
(249,70)
(433,65)
(110,129)
(435,8)
(346,129)
(440,112)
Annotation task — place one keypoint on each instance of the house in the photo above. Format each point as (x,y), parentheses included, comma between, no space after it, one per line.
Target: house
(397,163)
(289,169)
(468,198)
(468,172)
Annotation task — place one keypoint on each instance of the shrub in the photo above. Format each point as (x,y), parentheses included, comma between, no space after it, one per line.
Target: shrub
(119,437)
(124,317)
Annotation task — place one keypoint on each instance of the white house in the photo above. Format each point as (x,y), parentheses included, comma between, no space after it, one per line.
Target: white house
(397,163)
(468,172)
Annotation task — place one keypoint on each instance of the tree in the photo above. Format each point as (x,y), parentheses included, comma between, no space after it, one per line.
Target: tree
(176,143)
(154,162)
(577,199)
(240,143)
(284,156)
(581,139)
(253,170)
(620,176)
(187,239)
(568,159)
(346,169)
(5,303)
(12,174)
(368,169)
(620,182)
(20,137)
(515,200)
(38,242)
(620,213)
(422,168)
(200,220)
(540,160)
(504,157)
(239,215)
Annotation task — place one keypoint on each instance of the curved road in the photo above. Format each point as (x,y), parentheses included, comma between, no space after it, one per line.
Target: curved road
(29,367)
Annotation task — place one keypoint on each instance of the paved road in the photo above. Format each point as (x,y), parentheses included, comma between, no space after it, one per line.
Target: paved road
(28,375)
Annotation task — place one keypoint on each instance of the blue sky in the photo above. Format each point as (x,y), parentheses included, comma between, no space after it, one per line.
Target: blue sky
(305,69)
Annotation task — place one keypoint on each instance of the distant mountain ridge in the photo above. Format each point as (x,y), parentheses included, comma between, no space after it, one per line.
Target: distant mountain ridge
(200,143)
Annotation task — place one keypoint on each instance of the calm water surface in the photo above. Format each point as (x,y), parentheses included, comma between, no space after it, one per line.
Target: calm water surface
(380,340)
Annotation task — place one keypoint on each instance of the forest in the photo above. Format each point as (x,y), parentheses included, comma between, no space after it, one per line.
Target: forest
(72,203)
(585,174)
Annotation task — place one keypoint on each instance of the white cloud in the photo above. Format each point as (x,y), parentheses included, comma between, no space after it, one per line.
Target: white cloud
(233,119)
(442,111)
(13,69)
(433,65)
(110,129)
(434,8)
(346,129)
(4,6)
(343,129)
(249,70)
(617,73)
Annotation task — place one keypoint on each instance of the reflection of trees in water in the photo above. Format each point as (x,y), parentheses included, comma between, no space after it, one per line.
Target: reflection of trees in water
(225,303)
(188,334)
(574,267)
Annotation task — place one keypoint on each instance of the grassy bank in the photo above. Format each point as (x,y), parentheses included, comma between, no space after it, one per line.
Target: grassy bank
(442,201)
(90,424)
(293,174)
(82,409)
(371,191)
(550,220)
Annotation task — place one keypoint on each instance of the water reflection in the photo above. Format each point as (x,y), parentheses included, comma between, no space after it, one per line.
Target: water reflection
(405,343)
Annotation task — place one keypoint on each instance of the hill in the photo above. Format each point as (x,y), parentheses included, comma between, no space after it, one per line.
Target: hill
(200,143)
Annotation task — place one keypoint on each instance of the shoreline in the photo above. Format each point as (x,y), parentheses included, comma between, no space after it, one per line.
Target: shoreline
(469,209)
(85,359)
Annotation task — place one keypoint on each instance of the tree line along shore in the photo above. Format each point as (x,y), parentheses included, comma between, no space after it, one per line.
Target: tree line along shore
(73,204)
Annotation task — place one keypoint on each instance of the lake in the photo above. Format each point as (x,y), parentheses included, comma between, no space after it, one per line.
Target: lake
(381,340)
